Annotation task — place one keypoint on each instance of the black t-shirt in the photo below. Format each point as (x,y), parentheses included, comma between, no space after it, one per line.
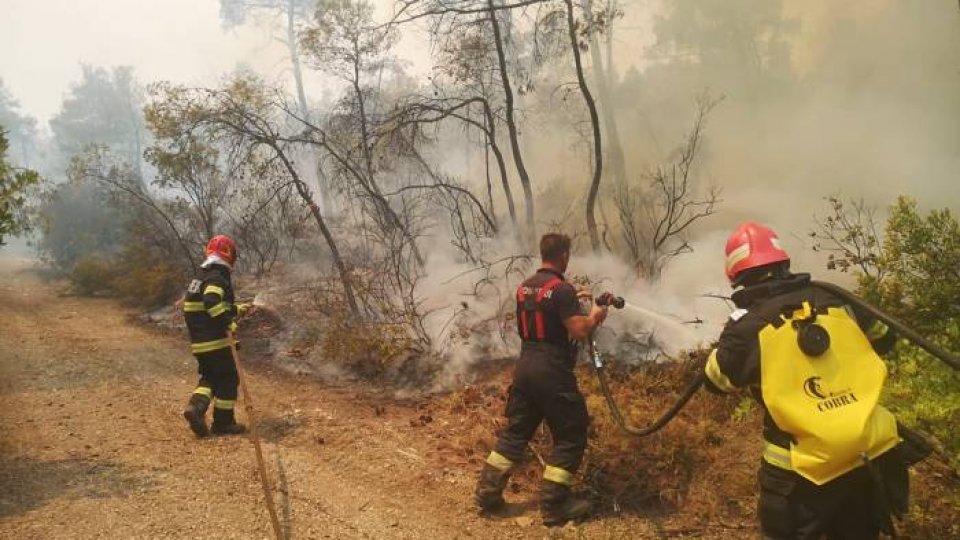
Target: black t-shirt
(558,306)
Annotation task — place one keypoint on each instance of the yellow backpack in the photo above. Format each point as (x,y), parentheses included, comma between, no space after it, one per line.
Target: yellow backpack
(828,403)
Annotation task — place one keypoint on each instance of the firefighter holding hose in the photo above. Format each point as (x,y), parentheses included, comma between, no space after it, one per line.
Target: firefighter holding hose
(833,463)
(211,314)
(545,388)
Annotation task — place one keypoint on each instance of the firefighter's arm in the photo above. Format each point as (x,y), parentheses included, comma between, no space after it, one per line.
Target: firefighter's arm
(221,312)
(581,326)
(735,362)
(565,301)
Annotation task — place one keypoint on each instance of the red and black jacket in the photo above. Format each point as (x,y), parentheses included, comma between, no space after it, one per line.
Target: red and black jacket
(544,301)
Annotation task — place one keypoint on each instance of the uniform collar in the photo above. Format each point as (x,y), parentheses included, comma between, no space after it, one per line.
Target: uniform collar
(552,271)
(219,268)
(752,295)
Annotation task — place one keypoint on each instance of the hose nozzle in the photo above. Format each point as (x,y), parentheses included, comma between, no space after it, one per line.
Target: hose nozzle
(609,299)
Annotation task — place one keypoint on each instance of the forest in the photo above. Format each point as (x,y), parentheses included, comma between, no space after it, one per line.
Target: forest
(387,183)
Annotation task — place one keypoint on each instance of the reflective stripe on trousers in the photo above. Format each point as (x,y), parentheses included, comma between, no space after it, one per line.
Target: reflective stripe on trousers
(209,346)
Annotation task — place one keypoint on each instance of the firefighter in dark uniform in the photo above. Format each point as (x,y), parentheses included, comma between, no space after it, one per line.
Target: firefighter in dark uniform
(545,388)
(211,316)
(832,460)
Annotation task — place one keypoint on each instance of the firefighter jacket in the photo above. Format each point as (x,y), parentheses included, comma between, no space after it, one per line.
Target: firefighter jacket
(209,310)
(821,416)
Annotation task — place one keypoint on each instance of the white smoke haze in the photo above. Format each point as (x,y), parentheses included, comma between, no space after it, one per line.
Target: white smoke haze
(864,102)
(657,324)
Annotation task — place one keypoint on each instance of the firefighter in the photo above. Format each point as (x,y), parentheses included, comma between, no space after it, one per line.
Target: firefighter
(832,461)
(211,316)
(545,388)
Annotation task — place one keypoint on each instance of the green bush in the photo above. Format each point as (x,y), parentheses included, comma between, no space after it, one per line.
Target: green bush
(911,271)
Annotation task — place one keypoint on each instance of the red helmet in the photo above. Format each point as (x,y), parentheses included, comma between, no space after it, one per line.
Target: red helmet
(222,246)
(750,246)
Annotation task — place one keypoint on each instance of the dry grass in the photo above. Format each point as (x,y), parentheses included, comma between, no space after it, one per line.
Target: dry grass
(699,471)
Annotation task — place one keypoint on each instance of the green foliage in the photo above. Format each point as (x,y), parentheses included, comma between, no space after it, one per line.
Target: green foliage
(14,184)
(911,271)
(729,37)
(103,108)
(921,264)
(108,235)
(21,129)
(76,222)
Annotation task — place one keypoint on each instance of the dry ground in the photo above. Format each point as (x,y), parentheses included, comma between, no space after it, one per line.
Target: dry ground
(94,446)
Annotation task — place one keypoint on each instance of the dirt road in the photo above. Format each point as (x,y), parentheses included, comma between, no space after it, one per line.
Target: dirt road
(93,444)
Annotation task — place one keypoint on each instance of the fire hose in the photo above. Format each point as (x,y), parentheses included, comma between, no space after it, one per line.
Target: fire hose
(697,382)
(910,334)
(255,439)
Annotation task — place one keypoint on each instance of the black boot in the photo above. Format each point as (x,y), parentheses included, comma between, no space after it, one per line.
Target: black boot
(225,424)
(489,493)
(196,413)
(558,505)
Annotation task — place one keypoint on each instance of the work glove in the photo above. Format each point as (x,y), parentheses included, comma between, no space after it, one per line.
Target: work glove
(243,308)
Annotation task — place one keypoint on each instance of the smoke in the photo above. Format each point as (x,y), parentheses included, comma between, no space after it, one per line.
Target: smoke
(859,100)
(471,308)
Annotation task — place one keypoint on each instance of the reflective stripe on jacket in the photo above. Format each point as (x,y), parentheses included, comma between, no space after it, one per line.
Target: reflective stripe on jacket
(209,309)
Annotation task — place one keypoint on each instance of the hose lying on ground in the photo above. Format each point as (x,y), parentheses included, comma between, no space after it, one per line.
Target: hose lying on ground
(615,410)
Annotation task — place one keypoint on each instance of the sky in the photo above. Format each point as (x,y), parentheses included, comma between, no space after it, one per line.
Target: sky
(43,43)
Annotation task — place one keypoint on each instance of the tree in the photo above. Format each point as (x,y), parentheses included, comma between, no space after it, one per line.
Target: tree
(595,24)
(295,14)
(189,168)
(911,270)
(14,184)
(464,79)
(734,42)
(103,108)
(852,238)
(511,120)
(246,118)
(21,129)
(345,42)
(459,15)
(122,185)
(575,47)
(655,216)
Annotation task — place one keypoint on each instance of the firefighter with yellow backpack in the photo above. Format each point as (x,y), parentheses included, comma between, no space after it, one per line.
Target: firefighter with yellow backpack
(833,464)
(211,314)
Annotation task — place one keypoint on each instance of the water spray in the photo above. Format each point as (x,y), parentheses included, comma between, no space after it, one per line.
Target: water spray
(609,299)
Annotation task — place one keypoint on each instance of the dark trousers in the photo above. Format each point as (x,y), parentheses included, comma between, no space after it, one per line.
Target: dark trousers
(851,507)
(545,389)
(218,372)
